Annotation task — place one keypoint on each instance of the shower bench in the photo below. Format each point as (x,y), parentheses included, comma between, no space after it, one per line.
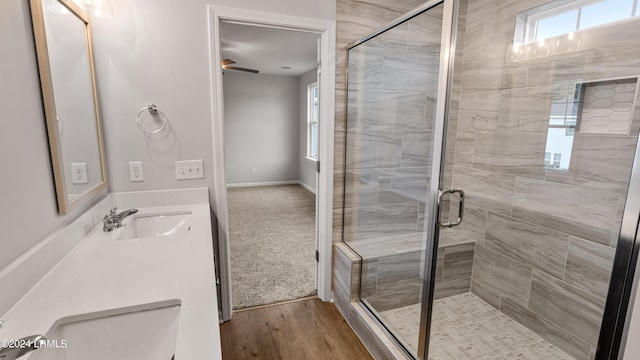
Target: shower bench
(391,269)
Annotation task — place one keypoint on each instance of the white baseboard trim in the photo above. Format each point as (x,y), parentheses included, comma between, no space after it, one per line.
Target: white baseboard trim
(307,187)
(273,183)
(266,183)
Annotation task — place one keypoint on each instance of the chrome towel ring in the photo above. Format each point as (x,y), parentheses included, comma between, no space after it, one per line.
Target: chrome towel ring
(153,110)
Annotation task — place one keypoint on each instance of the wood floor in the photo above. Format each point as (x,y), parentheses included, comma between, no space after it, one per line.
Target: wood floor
(304,329)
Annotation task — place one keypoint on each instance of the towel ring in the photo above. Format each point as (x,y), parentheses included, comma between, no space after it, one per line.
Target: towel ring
(153,109)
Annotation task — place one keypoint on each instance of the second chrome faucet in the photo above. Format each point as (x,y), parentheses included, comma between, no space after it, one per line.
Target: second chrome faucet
(113,220)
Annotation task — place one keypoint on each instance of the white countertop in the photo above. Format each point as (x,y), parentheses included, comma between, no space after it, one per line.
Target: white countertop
(102,273)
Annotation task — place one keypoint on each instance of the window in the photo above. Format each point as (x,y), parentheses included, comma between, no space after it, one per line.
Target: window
(562,17)
(312,121)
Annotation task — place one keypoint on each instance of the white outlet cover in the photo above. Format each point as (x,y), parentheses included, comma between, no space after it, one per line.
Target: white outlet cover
(136,171)
(79,173)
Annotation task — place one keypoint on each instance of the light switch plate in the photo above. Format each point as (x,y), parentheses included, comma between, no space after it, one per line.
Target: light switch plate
(79,173)
(189,169)
(136,171)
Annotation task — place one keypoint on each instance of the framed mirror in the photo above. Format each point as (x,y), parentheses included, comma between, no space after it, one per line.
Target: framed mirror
(63,44)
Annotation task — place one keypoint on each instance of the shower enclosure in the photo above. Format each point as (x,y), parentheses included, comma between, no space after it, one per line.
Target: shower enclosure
(489,162)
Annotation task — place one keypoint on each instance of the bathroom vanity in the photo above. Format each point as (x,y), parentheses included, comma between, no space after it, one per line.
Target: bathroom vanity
(134,293)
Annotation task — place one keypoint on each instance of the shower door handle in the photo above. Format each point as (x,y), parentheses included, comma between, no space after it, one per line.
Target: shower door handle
(441,195)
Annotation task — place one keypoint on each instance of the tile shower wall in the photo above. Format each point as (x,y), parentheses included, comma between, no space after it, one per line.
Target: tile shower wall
(545,237)
(354,19)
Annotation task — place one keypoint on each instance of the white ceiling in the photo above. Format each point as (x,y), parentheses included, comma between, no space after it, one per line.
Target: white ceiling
(268,49)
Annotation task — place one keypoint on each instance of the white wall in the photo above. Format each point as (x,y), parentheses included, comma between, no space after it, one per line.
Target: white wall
(261,127)
(157,51)
(154,52)
(29,212)
(307,169)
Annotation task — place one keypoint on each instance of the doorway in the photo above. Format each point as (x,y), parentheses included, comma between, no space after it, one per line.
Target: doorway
(261,183)
(271,132)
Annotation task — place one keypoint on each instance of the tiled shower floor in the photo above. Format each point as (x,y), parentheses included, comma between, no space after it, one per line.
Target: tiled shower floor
(465,327)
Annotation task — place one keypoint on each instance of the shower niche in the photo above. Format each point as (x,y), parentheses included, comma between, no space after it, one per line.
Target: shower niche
(607,107)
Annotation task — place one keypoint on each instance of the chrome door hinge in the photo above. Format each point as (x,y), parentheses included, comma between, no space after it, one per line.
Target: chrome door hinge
(317,256)
(317,165)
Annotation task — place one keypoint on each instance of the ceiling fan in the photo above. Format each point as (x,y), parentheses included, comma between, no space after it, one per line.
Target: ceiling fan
(226,64)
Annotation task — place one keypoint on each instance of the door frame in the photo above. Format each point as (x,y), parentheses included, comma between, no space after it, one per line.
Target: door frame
(624,279)
(324,187)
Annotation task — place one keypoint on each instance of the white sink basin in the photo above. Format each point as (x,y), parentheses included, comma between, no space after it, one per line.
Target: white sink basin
(146,332)
(154,225)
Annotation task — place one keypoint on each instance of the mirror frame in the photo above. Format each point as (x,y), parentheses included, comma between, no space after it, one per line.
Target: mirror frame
(46,82)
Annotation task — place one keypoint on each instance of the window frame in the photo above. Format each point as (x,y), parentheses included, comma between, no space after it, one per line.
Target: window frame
(312,89)
(527,21)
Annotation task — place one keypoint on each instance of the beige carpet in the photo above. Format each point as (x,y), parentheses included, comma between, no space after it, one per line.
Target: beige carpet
(272,238)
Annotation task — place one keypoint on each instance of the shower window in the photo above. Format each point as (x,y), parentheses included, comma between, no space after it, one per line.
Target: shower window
(562,17)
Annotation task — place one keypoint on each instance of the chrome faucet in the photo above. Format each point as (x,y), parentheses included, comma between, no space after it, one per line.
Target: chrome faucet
(113,220)
(21,347)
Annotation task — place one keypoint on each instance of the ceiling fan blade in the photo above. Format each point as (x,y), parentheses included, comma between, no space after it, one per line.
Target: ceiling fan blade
(227,62)
(240,69)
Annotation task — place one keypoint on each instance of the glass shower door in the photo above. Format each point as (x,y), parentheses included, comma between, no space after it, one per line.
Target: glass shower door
(543,137)
(395,120)
(545,130)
